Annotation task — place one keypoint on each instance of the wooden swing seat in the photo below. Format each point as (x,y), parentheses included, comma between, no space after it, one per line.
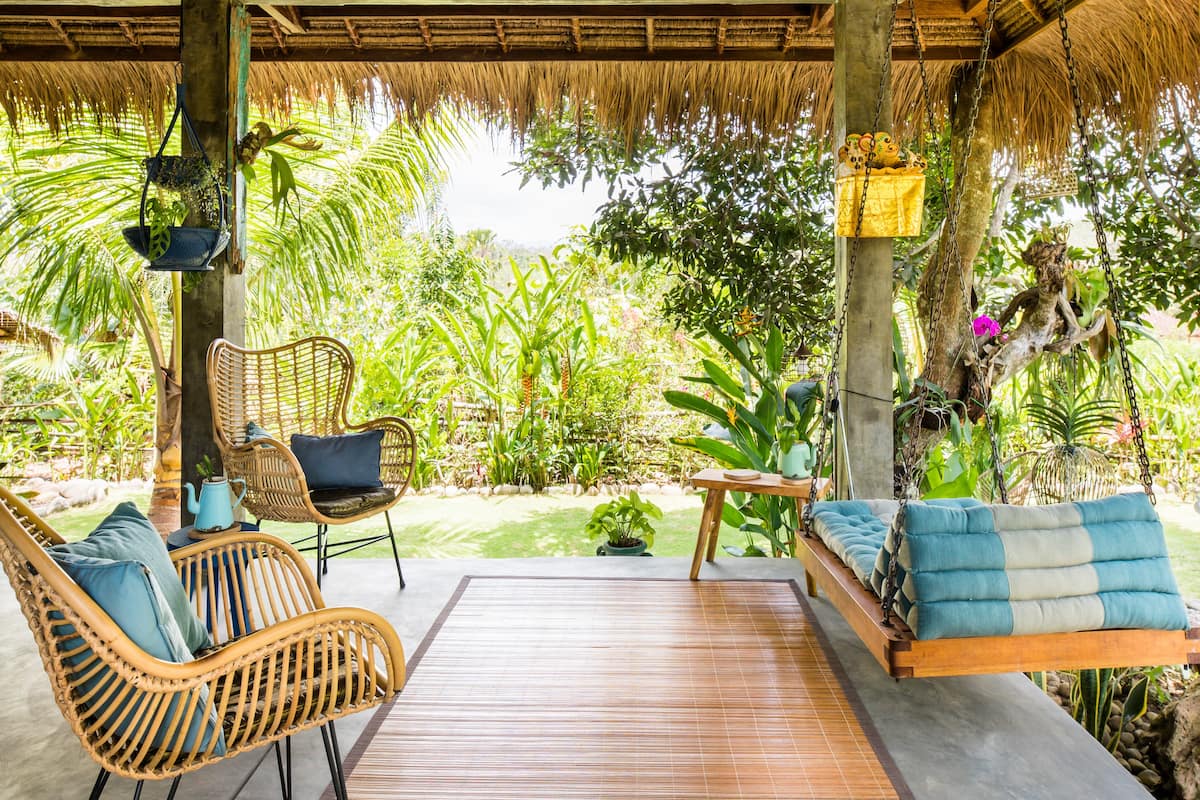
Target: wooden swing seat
(904,656)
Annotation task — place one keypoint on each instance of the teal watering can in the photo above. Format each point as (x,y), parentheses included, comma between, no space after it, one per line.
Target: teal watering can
(214,512)
(797,463)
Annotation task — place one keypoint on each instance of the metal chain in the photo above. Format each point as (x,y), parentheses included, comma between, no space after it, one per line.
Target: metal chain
(952,223)
(911,451)
(1115,303)
(829,410)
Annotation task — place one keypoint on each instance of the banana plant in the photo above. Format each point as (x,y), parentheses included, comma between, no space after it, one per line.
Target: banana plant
(474,340)
(754,409)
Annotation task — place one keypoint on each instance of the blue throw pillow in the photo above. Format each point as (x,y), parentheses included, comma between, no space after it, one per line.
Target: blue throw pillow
(126,535)
(347,461)
(129,593)
(256,431)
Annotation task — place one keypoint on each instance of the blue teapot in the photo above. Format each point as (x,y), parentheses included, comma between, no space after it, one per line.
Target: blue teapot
(214,512)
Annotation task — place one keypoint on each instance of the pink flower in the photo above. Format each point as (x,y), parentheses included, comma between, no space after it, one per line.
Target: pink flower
(1123,434)
(984,325)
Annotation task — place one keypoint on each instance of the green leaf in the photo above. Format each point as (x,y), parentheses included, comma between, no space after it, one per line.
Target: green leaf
(726,454)
(723,380)
(690,402)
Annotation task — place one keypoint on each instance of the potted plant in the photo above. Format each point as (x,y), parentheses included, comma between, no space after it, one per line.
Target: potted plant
(624,522)
(792,431)
(1069,468)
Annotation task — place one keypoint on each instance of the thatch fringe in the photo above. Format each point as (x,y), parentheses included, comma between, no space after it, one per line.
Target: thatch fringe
(1130,56)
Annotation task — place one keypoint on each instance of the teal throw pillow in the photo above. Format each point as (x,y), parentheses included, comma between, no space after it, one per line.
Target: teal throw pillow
(126,535)
(129,593)
(347,461)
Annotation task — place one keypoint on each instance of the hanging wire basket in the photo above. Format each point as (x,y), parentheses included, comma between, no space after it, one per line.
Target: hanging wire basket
(1067,472)
(1042,180)
(177,248)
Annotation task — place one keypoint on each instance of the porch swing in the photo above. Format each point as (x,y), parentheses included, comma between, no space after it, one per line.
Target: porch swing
(958,587)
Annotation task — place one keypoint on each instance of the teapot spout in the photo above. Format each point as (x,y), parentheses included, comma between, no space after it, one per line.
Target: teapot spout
(192,506)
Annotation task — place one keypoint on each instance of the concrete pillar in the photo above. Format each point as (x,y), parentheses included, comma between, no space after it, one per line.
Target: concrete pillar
(215,51)
(860,50)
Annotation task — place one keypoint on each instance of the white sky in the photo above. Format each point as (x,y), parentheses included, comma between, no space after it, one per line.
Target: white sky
(480,194)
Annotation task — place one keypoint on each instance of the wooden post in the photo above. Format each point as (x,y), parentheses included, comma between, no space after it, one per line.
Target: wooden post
(860,50)
(215,51)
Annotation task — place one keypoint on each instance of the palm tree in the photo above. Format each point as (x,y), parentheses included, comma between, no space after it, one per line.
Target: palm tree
(63,204)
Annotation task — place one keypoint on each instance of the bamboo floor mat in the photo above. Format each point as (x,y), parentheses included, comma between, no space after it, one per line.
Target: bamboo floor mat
(623,688)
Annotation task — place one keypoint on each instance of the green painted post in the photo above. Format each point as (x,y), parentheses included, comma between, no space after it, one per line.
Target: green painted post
(215,52)
(860,50)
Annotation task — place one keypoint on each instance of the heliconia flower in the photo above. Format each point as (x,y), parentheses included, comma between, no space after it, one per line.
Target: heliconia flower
(731,415)
(983,325)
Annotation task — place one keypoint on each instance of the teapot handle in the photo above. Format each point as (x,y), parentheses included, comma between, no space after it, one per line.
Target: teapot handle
(238,502)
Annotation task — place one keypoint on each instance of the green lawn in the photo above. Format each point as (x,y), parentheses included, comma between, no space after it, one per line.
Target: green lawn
(471,526)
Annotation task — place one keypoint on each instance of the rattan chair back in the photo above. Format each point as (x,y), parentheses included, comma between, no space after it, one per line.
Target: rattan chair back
(301,387)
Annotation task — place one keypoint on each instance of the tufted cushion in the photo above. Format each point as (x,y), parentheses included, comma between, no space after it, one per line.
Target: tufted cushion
(348,502)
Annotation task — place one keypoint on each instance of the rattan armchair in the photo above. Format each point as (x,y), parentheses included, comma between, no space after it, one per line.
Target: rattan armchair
(303,387)
(296,664)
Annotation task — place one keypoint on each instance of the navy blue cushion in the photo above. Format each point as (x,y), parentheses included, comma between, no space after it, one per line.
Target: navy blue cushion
(126,535)
(347,461)
(129,593)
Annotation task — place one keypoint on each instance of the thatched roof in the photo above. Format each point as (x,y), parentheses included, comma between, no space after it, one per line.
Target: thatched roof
(748,65)
(16,331)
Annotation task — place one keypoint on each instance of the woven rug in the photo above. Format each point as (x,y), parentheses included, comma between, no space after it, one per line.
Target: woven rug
(612,688)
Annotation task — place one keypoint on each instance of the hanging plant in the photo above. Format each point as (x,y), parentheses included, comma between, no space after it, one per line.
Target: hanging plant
(261,138)
(159,236)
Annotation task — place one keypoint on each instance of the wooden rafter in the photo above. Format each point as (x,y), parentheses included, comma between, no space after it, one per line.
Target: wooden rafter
(822,21)
(649,34)
(500,37)
(1033,30)
(277,32)
(721,25)
(426,34)
(789,33)
(70,42)
(1033,10)
(287,17)
(130,35)
(576,34)
(352,32)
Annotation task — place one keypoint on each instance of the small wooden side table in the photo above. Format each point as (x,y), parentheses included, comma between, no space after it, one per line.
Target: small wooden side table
(717,484)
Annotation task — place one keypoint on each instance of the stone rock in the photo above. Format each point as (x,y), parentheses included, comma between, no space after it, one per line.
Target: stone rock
(453,491)
(1182,749)
(558,490)
(1136,765)
(45,498)
(649,488)
(1123,762)
(505,488)
(672,490)
(525,489)
(1114,722)
(1064,690)
(593,492)
(1127,739)
(1149,778)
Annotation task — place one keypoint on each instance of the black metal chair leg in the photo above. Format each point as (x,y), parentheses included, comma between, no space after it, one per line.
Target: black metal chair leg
(395,553)
(335,767)
(98,786)
(320,553)
(337,754)
(137,790)
(285,774)
(174,787)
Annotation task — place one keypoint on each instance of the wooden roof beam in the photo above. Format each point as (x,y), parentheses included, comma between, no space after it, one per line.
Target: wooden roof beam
(822,21)
(277,32)
(71,44)
(426,33)
(649,34)
(286,17)
(566,11)
(1034,30)
(576,35)
(721,25)
(789,34)
(500,37)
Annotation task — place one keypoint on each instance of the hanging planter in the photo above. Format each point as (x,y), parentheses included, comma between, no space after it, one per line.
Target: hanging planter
(158,237)
(895,192)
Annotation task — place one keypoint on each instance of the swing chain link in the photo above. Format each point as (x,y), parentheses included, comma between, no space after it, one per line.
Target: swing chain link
(830,406)
(1115,303)
(910,451)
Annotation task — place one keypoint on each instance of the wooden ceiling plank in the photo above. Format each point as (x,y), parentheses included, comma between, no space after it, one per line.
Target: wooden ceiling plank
(1033,10)
(566,11)
(649,34)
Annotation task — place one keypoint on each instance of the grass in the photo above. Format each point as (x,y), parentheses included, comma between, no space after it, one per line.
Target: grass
(518,526)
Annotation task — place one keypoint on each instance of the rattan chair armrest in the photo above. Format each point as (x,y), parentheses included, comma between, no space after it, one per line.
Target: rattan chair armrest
(283,582)
(275,485)
(399,449)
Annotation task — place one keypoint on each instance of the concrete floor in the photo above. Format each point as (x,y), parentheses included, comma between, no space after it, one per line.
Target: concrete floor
(978,737)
